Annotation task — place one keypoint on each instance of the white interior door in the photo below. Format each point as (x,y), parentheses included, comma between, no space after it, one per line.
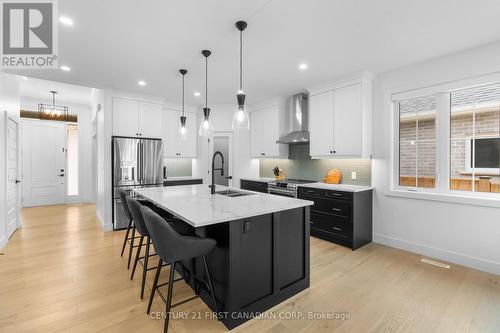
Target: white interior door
(12,177)
(222,142)
(44,163)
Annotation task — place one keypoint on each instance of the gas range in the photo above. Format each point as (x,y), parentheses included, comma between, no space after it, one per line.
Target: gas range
(286,187)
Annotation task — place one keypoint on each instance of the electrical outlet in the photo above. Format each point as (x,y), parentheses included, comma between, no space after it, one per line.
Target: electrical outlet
(353,175)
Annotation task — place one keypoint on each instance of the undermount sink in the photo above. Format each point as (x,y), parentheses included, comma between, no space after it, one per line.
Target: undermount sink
(232,193)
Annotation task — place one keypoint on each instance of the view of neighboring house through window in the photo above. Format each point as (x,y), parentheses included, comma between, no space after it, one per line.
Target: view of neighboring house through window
(475,139)
(417,142)
(72,160)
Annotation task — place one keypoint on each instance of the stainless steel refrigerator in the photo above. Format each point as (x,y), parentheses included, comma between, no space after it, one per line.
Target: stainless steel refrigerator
(136,163)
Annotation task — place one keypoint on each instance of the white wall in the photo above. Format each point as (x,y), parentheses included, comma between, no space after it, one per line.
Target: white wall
(463,234)
(9,106)
(86,167)
(244,166)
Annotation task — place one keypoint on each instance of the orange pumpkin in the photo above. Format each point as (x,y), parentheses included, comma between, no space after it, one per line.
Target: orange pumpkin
(334,176)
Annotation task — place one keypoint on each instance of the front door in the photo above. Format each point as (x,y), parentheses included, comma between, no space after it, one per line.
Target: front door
(44,163)
(12,178)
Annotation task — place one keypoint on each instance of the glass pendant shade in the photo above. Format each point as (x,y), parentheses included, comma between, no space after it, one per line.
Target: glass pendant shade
(182,131)
(241,119)
(206,126)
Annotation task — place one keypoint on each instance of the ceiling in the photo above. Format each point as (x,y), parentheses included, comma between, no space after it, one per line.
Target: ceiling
(116,43)
(67,93)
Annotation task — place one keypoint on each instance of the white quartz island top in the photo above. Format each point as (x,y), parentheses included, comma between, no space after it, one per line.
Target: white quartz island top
(195,205)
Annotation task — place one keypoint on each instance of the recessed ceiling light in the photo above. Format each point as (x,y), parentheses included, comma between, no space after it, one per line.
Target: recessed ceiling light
(65,68)
(141,83)
(66,20)
(197,94)
(303,66)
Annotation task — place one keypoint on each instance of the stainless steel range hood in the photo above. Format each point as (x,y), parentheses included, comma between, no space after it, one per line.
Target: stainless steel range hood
(299,120)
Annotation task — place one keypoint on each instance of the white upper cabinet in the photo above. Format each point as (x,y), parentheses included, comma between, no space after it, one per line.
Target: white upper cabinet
(125,117)
(340,120)
(320,124)
(150,120)
(187,148)
(267,124)
(134,118)
(170,123)
(172,146)
(347,121)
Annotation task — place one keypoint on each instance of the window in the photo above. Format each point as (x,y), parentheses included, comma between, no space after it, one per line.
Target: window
(448,140)
(475,139)
(72,160)
(417,142)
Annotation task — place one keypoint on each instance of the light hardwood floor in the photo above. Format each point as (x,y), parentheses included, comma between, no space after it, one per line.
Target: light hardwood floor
(61,273)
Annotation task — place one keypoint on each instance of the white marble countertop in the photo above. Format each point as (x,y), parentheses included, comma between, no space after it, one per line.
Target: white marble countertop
(259,179)
(338,187)
(195,205)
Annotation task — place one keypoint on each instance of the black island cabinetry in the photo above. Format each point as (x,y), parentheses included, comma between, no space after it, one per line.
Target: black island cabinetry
(341,217)
(253,185)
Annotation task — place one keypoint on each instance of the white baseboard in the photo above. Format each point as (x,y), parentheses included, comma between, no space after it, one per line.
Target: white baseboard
(437,253)
(104,226)
(3,242)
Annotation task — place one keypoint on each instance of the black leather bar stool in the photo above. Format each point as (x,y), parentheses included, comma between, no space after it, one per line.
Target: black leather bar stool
(140,226)
(131,225)
(173,248)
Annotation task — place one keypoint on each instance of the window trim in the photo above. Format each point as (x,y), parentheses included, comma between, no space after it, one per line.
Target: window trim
(442,191)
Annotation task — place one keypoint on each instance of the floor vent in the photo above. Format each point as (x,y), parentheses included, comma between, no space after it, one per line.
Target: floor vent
(435,263)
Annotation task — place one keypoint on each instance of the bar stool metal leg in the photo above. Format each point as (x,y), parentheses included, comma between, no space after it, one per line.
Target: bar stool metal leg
(212,290)
(145,266)
(131,247)
(169,296)
(137,254)
(155,284)
(126,237)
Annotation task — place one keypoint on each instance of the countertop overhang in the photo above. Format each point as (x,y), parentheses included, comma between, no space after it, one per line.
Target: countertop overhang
(195,205)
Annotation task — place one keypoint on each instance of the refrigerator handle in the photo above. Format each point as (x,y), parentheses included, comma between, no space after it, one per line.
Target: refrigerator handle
(133,173)
(142,162)
(139,162)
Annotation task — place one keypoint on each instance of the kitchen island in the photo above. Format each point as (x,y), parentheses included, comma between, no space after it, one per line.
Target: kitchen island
(262,253)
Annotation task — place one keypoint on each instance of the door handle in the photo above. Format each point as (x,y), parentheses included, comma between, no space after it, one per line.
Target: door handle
(17,181)
(61,175)
(229,177)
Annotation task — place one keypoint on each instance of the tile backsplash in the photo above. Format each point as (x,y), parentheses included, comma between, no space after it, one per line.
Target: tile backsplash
(300,165)
(178,167)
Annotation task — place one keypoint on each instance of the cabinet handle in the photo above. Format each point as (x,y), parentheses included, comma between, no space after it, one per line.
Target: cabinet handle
(331,151)
(263,154)
(337,229)
(335,194)
(311,222)
(334,152)
(336,209)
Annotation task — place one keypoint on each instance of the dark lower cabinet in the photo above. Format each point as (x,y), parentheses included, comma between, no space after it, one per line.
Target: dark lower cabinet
(182,182)
(258,263)
(253,185)
(341,217)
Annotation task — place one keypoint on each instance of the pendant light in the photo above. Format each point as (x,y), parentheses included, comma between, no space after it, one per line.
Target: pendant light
(182,133)
(241,119)
(206,126)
